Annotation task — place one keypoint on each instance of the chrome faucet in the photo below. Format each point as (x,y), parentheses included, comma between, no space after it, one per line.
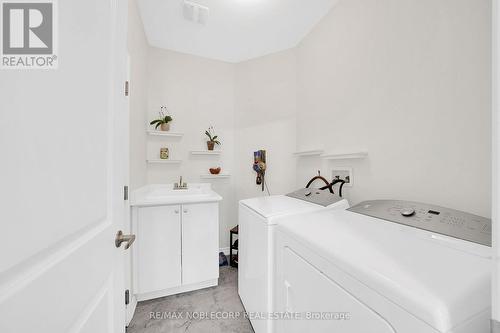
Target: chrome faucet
(180,185)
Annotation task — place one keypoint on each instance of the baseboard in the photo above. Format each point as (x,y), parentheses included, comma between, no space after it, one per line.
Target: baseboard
(177,290)
(224,250)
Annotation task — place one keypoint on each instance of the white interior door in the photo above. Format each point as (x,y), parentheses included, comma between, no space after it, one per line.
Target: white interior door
(61,136)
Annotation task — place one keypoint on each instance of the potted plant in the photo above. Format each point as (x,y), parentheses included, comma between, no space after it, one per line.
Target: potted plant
(215,171)
(212,138)
(164,121)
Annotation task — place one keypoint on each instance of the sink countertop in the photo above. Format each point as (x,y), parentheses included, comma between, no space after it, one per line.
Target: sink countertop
(164,194)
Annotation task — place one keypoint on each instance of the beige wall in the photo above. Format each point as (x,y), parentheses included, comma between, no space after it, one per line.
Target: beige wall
(408,80)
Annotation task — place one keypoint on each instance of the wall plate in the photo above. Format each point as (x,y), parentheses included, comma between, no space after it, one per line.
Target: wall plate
(344,173)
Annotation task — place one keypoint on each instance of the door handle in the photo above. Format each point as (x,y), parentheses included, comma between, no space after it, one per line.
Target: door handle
(120,238)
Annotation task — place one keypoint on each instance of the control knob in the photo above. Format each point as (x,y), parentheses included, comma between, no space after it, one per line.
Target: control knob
(407,212)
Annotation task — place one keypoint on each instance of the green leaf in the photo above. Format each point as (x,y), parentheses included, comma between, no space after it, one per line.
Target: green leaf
(154,121)
(157,125)
(215,137)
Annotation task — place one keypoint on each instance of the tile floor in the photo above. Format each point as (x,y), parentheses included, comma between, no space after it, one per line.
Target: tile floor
(153,316)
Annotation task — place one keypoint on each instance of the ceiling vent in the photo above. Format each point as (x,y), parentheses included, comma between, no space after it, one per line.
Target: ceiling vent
(195,12)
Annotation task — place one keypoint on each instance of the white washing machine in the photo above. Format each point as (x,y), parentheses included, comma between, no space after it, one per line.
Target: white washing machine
(383,267)
(257,220)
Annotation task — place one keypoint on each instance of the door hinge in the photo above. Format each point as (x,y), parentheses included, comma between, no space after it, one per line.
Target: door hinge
(125,192)
(126,88)
(127,297)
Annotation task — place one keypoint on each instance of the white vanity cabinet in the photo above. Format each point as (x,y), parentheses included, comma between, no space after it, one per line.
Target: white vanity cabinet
(200,242)
(176,248)
(158,248)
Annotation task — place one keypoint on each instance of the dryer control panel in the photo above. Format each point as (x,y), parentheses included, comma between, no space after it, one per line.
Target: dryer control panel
(432,218)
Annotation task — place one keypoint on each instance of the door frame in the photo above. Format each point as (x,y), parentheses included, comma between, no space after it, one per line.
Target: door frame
(119,157)
(495,206)
(129,283)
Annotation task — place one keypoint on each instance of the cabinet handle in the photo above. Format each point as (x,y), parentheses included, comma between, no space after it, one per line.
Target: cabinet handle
(176,211)
(185,211)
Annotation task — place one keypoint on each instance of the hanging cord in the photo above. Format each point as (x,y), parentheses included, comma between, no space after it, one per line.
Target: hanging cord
(330,186)
(267,187)
(340,187)
(323,179)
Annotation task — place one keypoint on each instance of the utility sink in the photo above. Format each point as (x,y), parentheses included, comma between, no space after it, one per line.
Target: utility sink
(168,192)
(157,194)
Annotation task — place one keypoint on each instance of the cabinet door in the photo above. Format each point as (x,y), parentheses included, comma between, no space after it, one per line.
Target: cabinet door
(200,242)
(158,248)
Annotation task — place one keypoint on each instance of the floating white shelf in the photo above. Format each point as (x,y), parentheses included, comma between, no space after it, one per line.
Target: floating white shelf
(205,152)
(215,176)
(160,161)
(308,153)
(344,156)
(165,133)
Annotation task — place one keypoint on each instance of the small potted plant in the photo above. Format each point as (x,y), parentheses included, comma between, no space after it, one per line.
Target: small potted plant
(215,171)
(164,121)
(212,138)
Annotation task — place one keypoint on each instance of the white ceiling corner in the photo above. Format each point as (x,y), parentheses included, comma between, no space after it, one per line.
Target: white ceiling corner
(236,30)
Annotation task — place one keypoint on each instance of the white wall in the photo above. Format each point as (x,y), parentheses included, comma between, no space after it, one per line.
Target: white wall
(265,119)
(252,106)
(138,51)
(408,80)
(198,92)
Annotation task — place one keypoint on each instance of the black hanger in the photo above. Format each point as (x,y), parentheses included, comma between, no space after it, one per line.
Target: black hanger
(330,186)
(322,179)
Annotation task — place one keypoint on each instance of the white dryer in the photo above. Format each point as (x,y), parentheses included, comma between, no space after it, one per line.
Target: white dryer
(257,220)
(383,267)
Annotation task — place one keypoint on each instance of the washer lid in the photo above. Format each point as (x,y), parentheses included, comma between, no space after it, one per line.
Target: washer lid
(278,205)
(441,280)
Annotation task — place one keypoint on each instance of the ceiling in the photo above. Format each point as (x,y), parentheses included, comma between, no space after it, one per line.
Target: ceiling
(236,30)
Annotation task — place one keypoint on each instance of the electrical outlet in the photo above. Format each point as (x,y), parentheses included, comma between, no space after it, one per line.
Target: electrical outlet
(344,173)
